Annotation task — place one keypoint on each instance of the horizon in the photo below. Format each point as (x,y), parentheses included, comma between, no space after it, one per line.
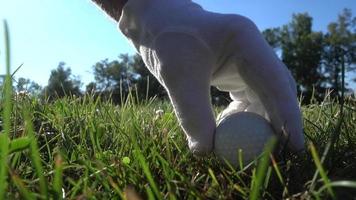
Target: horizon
(43,33)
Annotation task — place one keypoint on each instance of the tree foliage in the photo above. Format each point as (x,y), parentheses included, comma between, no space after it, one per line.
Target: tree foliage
(315,58)
(146,84)
(117,78)
(61,83)
(28,86)
(340,49)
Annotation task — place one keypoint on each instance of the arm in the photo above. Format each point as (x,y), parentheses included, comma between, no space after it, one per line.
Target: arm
(111,7)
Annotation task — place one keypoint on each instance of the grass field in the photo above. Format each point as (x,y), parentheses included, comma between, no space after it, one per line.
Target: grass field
(87,149)
(83,148)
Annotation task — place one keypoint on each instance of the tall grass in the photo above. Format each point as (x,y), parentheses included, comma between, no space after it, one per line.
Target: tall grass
(87,148)
(4,137)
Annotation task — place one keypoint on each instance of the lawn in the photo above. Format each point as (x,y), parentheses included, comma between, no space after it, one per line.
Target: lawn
(87,148)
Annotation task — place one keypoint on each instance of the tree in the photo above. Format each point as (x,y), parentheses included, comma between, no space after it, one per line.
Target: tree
(113,75)
(112,78)
(28,86)
(61,83)
(301,50)
(91,88)
(316,59)
(273,37)
(117,78)
(340,50)
(146,84)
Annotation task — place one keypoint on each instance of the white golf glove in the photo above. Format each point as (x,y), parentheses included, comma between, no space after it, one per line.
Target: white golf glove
(189,49)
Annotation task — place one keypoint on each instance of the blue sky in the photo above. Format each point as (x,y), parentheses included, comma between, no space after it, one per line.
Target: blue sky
(45,32)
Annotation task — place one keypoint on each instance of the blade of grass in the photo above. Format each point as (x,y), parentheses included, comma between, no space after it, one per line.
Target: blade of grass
(267,178)
(16,70)
(19,144)
(4,143)
(348,184)
(7,48)
(147,172)
(315,177)
(4,137)
(116,187)
(239,189)
(150,195)
(321,170)
(25,193)
(58,172)
(241,164)
(213,177)
(35,155)
(276,169)
(262,169)
(279,175)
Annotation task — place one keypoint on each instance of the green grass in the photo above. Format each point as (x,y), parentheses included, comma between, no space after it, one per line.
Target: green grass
(84,148)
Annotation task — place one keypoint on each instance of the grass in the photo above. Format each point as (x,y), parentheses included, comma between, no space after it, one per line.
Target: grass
(85,148)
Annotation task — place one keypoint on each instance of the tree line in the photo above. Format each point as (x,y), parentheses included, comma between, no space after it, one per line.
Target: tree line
(318,61)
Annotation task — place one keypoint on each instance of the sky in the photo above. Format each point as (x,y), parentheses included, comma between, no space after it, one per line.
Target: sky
(46,32)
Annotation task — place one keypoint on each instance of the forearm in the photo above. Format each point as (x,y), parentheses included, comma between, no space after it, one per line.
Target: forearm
(111,7)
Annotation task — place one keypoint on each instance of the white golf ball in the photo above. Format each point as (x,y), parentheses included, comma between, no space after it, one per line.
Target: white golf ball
(243,130)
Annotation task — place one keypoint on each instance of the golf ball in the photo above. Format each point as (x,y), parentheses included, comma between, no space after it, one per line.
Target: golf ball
(243,130)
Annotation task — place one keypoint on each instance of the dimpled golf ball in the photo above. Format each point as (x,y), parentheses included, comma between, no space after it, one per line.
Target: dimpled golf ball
(243,130)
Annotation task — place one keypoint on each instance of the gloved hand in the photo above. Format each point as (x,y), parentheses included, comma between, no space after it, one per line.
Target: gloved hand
(184,67)
(189,49)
